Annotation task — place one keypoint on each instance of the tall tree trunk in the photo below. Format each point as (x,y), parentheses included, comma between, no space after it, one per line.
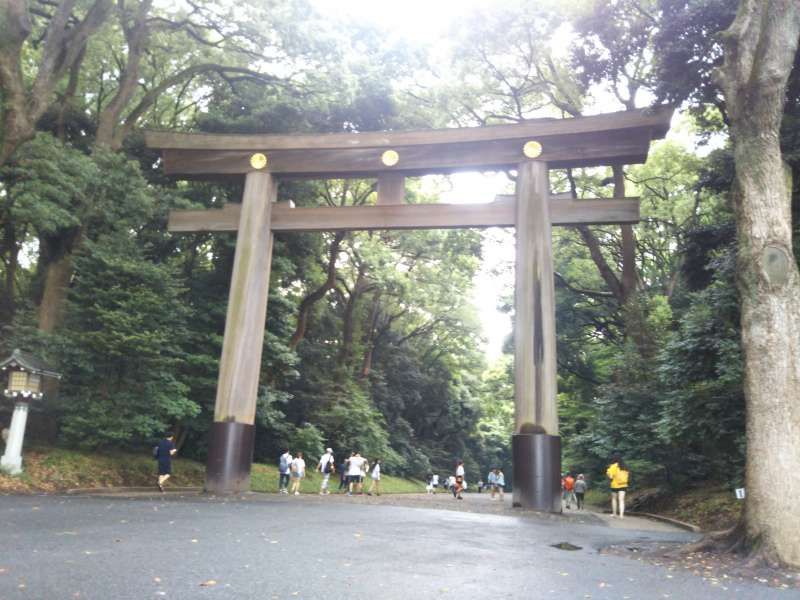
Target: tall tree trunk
(318,294)
(10,248)
(55,261)
(348,322)
(369,335)
(137,36)
(760,48)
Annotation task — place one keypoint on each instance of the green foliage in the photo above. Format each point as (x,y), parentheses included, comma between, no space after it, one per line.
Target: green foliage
(701,367)
(120,354)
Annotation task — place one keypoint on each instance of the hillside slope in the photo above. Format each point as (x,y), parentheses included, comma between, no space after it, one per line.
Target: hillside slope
(53,470)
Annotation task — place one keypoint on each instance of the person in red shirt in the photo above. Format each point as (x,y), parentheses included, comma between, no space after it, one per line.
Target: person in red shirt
(569,490)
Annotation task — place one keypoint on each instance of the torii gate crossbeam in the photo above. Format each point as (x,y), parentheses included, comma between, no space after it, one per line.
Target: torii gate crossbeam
(532,148)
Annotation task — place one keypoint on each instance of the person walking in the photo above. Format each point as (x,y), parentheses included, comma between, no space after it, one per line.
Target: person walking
(298,473)
(459,486)
(580,490)
(164,453)
(619,474)
(499,482)
(326,466)
(491,481)
(569,490)
(284,470)
(355,467)
(344,479)
(376,479)
(435,482)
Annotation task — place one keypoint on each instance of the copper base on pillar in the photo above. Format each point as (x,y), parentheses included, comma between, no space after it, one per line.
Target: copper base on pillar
(230,455)
(537,471)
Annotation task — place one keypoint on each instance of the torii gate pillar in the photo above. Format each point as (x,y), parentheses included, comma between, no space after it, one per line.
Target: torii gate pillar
(230,451)
(536,445)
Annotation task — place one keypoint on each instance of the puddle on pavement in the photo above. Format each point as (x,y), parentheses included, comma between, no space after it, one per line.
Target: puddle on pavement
(566,546)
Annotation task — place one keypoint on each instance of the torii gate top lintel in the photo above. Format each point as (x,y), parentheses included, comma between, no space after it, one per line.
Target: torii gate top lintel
(611,138)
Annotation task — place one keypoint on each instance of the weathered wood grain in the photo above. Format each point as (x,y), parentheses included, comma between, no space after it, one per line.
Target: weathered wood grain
(500,213)
(391,188)
(240,364)
(534,302)
(570,150)
(657,120)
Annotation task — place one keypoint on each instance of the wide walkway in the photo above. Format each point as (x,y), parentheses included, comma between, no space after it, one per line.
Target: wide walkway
(276,547)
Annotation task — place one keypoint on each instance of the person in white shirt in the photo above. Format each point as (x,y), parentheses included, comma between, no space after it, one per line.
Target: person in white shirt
(435,482)
(326,466)
(298,473)
(355,468)
(376,479)
(459,487)
(284,468)
(499,482)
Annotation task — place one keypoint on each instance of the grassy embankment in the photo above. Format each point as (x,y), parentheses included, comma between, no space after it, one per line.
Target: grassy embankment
(712,507)
(53,470)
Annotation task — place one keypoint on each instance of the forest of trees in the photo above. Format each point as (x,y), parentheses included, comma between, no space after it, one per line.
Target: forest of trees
(372,340)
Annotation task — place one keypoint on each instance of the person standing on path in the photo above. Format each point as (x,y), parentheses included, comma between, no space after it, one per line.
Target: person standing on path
(164,453)
(580,490)
(376,479)
(499,482)
(459,487)
(326,466)
(569,490)
(435,482)
(619,475)
(298,473)
(491,481)
(344,479)
(354,473)
(284,468)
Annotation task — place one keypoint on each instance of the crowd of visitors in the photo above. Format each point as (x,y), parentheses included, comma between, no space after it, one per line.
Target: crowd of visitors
(355,469)
(352,472)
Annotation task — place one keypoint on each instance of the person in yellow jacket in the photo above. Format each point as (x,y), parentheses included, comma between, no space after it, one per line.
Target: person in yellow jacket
(619,474)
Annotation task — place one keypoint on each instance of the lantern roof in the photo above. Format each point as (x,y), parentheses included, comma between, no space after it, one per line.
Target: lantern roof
(29,362)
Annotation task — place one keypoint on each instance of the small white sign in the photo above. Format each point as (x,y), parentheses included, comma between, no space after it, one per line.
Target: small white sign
(739,493)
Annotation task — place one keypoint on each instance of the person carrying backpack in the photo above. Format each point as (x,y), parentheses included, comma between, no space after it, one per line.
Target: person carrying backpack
(619,474)
(326,466)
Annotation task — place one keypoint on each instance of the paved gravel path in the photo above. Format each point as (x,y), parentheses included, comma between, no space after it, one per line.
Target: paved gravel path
(276,547)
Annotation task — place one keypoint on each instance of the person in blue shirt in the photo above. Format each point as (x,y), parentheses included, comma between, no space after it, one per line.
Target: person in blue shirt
(164,453)
(491,482)
(499,481)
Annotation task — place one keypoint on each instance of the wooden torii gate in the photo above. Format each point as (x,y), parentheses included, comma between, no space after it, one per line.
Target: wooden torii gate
(531,148)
